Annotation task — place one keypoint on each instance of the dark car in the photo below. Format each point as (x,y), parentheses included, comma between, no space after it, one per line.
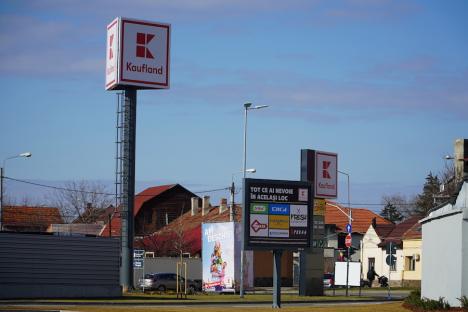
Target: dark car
(166,281)
(328,280)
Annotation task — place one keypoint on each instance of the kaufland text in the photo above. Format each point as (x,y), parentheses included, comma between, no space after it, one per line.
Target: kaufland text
(144,69)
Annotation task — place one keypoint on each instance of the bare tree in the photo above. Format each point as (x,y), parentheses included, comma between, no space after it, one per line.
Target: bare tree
(447,179)
(402,204)
(83,201)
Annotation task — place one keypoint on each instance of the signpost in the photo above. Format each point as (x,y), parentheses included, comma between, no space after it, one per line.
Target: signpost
(139,262)
(277,217)
(391,260)
(349,229)
(137,57)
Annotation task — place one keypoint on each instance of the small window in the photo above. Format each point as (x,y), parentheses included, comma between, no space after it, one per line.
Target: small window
(410,263)
(371,263)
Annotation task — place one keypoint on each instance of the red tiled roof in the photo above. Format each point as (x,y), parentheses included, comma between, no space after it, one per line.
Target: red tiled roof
(400,229)
(140,199)
(190,228)
(384,229)
(27,217)
(149,194)
(414,232)
(362,218)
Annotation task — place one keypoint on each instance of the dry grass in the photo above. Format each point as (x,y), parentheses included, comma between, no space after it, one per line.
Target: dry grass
(386,307)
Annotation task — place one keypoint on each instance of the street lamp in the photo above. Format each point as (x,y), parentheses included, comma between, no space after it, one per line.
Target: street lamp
(247,107)
(2,174)
(349,222)
(233,188)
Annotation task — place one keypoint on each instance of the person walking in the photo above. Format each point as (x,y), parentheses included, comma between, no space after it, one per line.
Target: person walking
(371,274)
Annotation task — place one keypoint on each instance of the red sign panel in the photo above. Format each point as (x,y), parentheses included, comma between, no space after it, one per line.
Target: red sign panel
(348,241)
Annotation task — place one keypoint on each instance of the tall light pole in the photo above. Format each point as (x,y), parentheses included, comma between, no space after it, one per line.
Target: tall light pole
(233,191)
(349,222)
(247,107)
(2,174)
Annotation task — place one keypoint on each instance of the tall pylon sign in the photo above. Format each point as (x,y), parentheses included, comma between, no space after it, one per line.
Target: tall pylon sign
(137,57)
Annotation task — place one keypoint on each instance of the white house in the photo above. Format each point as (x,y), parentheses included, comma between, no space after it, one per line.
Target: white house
(445,248)
(374,251)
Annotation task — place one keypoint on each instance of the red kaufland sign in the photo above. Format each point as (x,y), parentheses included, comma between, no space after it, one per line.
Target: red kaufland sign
(137,54)
(326,174)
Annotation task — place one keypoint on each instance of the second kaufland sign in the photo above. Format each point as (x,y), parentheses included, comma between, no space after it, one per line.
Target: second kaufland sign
(137,54)
(277,214)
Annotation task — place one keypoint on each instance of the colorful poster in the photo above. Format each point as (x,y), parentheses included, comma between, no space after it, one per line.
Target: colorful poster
(218,256)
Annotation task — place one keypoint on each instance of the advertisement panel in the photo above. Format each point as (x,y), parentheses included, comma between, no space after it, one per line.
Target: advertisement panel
(278,214)
(218,256)
(326,175)
(137,54)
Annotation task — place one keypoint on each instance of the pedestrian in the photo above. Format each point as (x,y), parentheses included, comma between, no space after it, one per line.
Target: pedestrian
(371,274)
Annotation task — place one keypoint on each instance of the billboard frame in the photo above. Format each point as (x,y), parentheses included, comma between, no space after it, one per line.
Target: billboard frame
(277,243)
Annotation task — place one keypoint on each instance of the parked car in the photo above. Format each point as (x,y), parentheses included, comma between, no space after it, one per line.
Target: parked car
(166,281)
(328,280)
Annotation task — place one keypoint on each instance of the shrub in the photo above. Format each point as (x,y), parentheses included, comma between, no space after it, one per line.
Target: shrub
(414,299)
(464,302)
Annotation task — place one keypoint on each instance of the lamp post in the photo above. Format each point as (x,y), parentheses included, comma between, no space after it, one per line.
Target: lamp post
(2,174)
(233,191)
(349,222)
(247,107)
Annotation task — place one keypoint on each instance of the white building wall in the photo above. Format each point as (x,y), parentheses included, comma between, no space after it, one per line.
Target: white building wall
(441,247)
(370,249)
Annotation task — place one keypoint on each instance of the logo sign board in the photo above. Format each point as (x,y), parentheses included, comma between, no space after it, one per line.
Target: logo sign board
(326,175)
(278,214)
(137,54)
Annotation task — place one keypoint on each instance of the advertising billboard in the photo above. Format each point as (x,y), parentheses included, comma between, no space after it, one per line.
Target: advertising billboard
(218,256)
(137,54)
(278,214)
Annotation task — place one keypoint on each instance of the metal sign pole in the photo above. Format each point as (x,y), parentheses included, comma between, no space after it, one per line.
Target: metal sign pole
(390,270)
(128,188)
(277,278)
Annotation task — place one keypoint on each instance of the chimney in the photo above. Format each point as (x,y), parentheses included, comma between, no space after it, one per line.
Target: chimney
(374,222)
(205,205)
(461,159)
(195,206)
(222,205)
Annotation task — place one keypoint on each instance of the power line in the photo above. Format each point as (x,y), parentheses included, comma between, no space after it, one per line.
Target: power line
(151,195)
(100,193)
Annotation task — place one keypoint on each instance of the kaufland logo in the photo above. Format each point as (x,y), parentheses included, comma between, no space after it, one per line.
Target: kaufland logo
(143,51)
(325,167)
(142,41)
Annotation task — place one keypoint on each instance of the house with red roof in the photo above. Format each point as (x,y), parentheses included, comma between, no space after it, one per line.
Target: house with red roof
(154,208)
(183,235)
(376,244)
(336,218)
(29,219)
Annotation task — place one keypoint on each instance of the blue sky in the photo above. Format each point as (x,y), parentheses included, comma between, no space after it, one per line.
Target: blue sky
(381,83)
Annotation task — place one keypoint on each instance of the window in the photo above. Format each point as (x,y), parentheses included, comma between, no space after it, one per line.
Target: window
(410,263)
(371,263)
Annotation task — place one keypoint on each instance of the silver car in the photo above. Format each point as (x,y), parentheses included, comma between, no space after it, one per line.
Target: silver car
(165,281)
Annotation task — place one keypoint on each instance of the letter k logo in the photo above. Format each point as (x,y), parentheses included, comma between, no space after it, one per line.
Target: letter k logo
(142,41)
(325,165)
